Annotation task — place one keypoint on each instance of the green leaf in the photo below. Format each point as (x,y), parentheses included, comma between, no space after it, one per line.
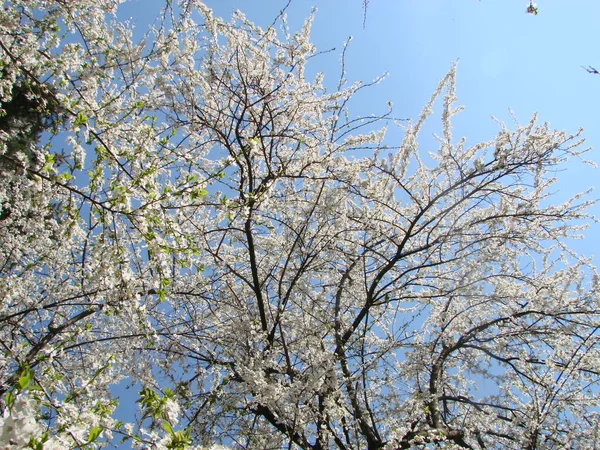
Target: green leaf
(198,193)
(36,444)
(48,162)
(10,399)
(25,378)
(66,177)
(168,429)
(81,119)
(180,440)
(94,433)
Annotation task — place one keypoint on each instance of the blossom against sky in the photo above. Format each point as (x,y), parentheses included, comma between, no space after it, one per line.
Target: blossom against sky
(508,60)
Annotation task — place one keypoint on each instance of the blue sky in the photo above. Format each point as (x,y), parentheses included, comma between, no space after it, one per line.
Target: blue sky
(506,59)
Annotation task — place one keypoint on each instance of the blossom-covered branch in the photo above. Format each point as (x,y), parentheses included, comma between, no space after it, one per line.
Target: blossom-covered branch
(190,213)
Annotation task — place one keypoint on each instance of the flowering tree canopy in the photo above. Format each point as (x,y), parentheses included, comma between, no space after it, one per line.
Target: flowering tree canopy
(190,214)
